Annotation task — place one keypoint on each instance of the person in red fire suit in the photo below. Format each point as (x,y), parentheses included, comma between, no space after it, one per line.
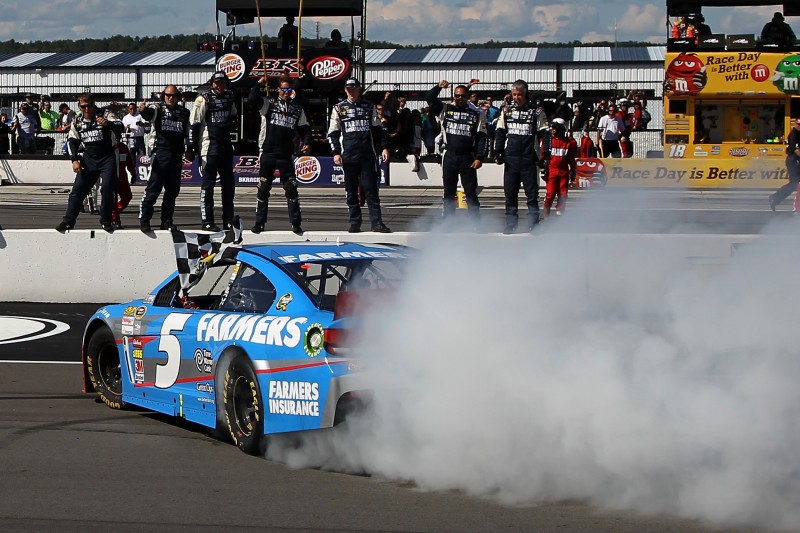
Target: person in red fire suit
(563,150)
(124,195)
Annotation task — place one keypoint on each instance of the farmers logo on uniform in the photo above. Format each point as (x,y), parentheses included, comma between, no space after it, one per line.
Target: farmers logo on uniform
(307,169)
(328,68)
(232,65)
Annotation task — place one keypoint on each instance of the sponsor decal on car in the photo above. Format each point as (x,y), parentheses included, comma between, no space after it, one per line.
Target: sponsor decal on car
(323,256)
(314,339)
(284,301)
(203,360)
(140,312)
(298,398)
(270,330)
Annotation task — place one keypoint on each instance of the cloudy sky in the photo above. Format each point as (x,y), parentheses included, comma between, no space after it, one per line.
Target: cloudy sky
(401,21)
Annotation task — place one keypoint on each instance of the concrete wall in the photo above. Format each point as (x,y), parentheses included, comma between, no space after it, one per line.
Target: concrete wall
(93,266)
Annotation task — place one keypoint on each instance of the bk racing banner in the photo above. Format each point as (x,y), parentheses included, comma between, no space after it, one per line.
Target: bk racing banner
(324,68)
(311,171)
(732,73)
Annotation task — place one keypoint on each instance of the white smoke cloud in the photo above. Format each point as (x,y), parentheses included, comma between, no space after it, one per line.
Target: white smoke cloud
(614,371)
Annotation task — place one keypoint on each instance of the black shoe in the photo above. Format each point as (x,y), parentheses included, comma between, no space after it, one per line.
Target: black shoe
(258,228)
(107,226)
(354,228)
(117,224)
(772,203)
(509,230)
(209,226)
(297,230)
(227,225)
(167,224)
(63,227)
(144,225)
(381,228)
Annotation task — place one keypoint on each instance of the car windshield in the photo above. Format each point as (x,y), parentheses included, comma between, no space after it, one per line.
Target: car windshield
(322,281)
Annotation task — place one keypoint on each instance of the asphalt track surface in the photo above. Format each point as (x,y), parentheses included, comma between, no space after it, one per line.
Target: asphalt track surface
(68,463)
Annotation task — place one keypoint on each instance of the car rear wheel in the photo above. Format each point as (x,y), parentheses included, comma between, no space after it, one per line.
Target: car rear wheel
(103,366)
(244,410)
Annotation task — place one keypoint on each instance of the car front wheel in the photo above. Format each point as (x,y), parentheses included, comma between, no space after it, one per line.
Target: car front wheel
(103,366)
(244,410)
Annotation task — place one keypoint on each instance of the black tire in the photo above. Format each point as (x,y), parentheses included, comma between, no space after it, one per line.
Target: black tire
(244,410)
(103,366)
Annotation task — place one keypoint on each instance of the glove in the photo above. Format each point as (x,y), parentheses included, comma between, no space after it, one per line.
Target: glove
(189,153)
(499,159)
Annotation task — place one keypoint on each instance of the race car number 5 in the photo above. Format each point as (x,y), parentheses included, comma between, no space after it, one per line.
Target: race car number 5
(167,373)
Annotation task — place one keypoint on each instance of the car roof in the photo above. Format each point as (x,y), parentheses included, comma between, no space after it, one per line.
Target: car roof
(313,251)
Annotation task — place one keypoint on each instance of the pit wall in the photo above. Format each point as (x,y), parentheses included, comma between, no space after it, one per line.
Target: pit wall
(93,266)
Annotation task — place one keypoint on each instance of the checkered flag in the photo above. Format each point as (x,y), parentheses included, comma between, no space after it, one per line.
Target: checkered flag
(195,251)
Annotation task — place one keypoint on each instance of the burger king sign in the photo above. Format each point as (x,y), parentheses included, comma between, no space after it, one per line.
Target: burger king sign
(233,66)
(307,169)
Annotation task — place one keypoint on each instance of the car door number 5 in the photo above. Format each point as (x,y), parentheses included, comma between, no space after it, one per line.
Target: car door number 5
(167,373)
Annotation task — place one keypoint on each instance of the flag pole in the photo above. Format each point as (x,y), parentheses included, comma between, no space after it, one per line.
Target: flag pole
(261,36)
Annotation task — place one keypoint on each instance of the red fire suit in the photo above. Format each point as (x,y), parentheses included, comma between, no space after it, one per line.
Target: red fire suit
(124,195)
(563,151)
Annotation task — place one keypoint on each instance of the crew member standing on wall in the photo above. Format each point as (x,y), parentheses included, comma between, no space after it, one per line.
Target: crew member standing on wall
(515,145)
(563,151)
(171,124)
(99,131)
(464,137)
(354,133)
(792,168)
(213,115)
(280,119)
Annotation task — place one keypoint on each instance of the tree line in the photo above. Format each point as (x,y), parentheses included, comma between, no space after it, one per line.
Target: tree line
(127,43)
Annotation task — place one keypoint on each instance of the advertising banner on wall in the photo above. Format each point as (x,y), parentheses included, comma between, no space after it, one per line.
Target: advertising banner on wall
(311,171)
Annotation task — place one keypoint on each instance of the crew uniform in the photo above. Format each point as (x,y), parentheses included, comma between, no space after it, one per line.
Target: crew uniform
(210,121)
(171,125)
(515,142)
(356,134)
(100,158)
(280,118)
(465,141)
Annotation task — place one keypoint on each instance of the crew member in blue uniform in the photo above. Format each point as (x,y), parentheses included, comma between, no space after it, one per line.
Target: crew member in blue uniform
(171,123)
(98,131)
(356,134)
(281,118)
(213,115)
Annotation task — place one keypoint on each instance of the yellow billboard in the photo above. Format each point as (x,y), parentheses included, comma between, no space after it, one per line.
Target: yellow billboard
(748,73)
(755,173)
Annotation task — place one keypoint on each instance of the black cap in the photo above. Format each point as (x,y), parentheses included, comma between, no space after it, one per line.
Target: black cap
(352,83)
(219,76)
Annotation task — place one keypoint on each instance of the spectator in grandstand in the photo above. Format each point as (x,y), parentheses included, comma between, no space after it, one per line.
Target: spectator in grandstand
(5,135)
(599,112)
(288,34)
(336,40)
(700,26)
(66,116)
(792,168)
(625,143)
(34,107)
(492,114)
(430,129)
(47,117)
(777,32)
(610,128)
(24,125)
(124,195)
(134,127)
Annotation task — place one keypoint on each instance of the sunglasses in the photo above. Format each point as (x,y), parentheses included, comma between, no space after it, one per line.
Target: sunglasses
(171,94)
(286,89)
(85,106)
(459,96)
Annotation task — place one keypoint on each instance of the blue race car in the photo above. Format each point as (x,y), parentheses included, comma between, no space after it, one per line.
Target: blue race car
(255,346)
